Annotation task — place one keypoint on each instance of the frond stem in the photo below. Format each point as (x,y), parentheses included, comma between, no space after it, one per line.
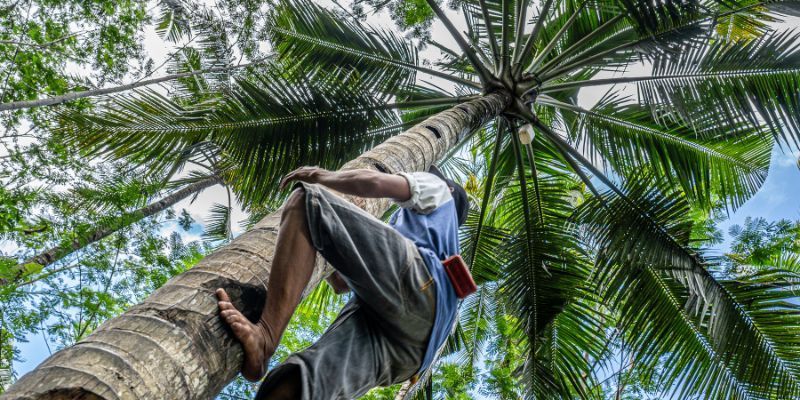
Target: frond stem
(647,130)
(444,49)
(701,75)
(505,57)
(483,73)
(556,38)
(533,36)
(535,177)
(522,10)
(490,32)
(577,45)
(562,144)
(528,225)
(487,191)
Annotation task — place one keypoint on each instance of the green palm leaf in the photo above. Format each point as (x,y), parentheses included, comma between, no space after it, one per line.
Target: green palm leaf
(314,38)
(544,266)
(626,138)
(737,81)
(272,126)
(267,126)
(573,345)
(218,224)
(672,306)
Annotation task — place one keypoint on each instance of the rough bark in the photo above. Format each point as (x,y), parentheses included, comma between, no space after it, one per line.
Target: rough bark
(403,392)
(173,345)
(16,105)
(58,252)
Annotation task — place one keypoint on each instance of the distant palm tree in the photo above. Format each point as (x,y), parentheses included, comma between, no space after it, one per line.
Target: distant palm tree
(563,266)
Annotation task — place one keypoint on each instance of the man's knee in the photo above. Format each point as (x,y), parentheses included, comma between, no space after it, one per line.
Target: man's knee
(295,202)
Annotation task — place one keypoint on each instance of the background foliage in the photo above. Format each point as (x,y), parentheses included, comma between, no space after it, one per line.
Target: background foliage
(585,293)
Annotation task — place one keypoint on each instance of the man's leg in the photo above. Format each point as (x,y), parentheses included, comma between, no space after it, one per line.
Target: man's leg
(292,265)
(350,358)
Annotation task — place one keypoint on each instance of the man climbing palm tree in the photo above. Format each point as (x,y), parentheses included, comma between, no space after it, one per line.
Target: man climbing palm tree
(404,304)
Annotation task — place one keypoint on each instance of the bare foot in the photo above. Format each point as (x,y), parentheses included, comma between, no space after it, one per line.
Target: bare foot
(256,341)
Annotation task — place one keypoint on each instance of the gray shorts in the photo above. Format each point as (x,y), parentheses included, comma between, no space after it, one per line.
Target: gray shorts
(380,336)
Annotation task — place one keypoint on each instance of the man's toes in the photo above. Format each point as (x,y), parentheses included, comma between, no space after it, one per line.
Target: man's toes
(234,318)
(231,316)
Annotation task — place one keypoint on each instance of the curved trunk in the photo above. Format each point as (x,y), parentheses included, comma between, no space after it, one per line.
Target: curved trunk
(56,253)
(173,345)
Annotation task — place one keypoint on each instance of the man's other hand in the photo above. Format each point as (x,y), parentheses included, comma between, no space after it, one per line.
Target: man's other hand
(303,174)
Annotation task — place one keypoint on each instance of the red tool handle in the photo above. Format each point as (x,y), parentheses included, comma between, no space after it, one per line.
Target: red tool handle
(459,275)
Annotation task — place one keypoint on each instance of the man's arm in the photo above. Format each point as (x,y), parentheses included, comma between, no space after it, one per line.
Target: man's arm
(356,182)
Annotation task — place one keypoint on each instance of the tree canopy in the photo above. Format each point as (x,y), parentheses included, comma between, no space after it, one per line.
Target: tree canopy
(586,232)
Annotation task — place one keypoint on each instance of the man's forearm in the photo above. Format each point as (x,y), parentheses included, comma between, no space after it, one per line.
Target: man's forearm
(358,182)
(354,182)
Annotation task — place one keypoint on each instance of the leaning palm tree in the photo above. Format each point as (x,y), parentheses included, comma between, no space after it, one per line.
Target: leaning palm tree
(36,266)
(699,129)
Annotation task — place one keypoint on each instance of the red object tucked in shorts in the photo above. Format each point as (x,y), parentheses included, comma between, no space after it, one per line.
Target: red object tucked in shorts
(459,275)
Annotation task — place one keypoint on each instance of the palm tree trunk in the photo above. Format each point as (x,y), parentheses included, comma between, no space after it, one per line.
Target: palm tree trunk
(403,392)
(173,345)
(16,105)
(58,252)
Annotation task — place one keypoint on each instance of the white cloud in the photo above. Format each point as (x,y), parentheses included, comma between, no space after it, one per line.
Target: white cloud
(788,159)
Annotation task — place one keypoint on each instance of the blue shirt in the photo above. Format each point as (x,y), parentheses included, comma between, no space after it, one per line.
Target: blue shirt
(430,220)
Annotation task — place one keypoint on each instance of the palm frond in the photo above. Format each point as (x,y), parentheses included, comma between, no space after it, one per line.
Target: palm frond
(672,306)
(625,137)
(143,127)
(272,126)
(469,51)
(654,17)
(480,243)
(565,32)
(475,317)
(116,193)
(267,126)
(741,81)
(174,21)
(769,298)
(618,44)
(218,224)
(313,38)
(544,268)
(210,48)
(572,346)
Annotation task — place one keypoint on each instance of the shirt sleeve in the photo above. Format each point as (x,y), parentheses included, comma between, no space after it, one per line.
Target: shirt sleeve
(428,192)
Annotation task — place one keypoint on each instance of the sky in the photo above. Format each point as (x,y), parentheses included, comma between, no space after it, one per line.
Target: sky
(778,198)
